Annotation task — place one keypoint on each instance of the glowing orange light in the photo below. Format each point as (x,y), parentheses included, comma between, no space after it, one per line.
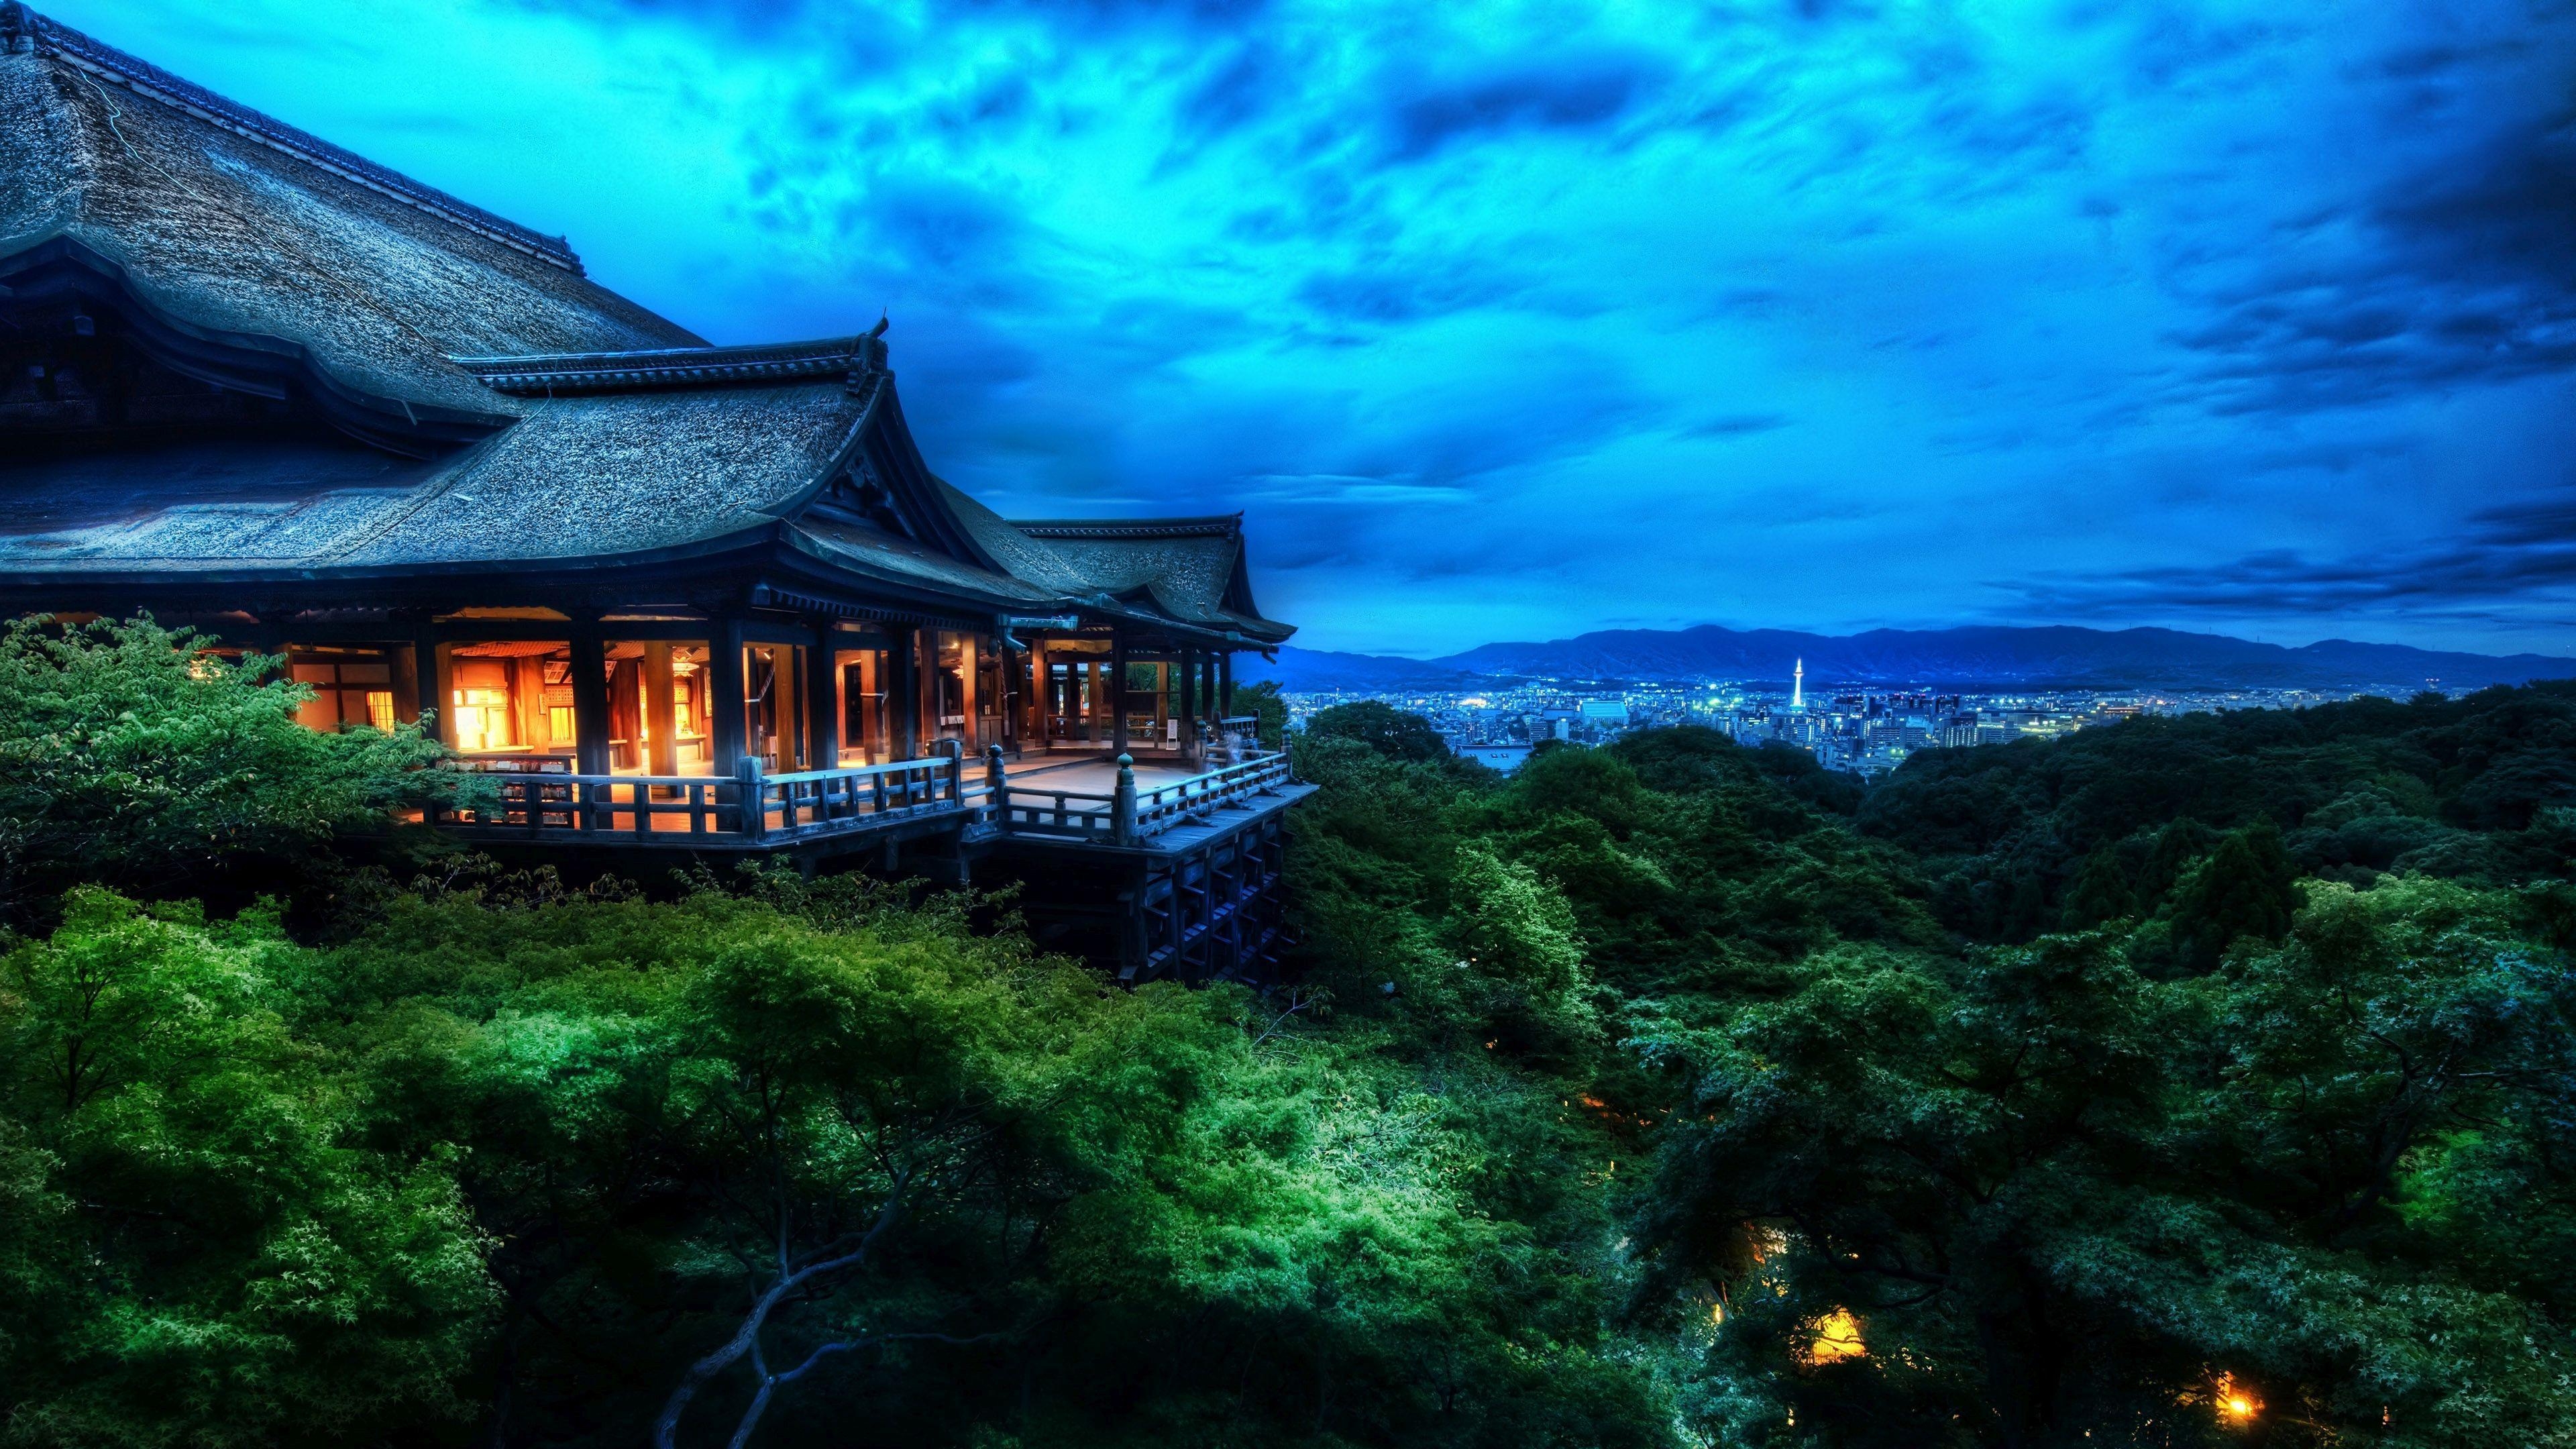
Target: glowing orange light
(2237,1403)
(1837,1338)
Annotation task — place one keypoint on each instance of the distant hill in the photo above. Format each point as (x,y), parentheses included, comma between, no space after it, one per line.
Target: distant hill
(1308,670)
(1964,658)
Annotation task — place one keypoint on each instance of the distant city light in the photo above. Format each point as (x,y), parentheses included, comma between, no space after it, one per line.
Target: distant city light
(1866,730)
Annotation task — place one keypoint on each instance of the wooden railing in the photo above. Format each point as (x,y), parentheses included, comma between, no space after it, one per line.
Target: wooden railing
(1243,733)
(747,807)
(751,807)
(1128,814)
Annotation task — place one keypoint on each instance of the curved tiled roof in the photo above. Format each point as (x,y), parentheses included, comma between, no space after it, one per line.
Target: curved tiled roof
(225,220)
(605,432)
(1192,568)
(577,478)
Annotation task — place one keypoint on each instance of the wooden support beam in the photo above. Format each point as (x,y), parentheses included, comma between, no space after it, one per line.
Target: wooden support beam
(590,698)
(823,705)
(925,690)
(404,660)
(1189,703)
(1033,731)
(430,657)
(726,737)
(661,716)
(903,695)
(1118,690)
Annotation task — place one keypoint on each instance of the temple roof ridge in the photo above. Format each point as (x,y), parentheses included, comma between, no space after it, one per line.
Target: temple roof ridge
(559,373)
(1215,525)
(23,30)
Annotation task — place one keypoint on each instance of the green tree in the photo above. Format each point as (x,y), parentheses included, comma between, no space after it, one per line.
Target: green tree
(130,757)
(2246,887)
(1391,732)
(2101,893)
(2059,1198)
(210,1257)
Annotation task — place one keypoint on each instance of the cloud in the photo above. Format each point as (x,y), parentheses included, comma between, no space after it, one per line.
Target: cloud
(2458,271)
(1562,93)
(1801,312)
(2514,562)
(1737,425)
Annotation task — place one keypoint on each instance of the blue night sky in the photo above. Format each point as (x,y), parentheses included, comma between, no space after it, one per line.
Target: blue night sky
(1508,321)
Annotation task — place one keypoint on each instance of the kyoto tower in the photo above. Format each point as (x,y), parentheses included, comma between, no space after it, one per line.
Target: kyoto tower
(1798,685)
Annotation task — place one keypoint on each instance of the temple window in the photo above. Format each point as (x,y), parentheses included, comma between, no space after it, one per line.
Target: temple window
(350,687)
(512,698)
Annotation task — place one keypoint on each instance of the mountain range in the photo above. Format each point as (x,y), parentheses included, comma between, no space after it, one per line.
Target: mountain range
(1947,659)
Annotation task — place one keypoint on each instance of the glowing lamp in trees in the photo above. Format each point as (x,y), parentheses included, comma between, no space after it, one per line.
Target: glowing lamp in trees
(1837,1337)
(2238,1405)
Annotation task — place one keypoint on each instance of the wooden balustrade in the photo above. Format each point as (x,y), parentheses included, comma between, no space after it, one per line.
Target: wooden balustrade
(753,807)
(747,806)
(1129,813)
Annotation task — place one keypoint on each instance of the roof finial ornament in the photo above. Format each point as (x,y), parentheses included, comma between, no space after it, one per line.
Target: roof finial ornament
(872,352)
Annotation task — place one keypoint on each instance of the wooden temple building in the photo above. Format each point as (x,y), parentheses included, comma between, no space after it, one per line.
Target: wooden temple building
(678,598)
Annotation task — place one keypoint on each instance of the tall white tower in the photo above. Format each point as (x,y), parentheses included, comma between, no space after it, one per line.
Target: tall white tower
(1798,685)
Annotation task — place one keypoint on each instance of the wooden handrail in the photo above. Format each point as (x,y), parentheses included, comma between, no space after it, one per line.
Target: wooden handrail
(809,803)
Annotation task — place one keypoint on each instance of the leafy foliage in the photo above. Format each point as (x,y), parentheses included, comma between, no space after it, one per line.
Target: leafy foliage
(2187,1082)
(1381,727)
(2472,789)
(204,1251)
(131,758)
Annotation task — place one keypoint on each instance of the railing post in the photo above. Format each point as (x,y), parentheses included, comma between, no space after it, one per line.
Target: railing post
(751,798)
(1122,809)
(997,785)
(955,753)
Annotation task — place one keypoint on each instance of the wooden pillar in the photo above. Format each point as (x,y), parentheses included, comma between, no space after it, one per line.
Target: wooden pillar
(404,665)
(970,701)
(925,690)
(430,659)
(726,739)
(823,700)
(661,717)
(903,696)
(1225,684)
(589,700)
(1041,700)
(1118,691)
(1189,703)
(530,722)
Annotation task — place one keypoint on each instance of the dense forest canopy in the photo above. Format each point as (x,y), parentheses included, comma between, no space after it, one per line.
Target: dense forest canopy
(2185,1082)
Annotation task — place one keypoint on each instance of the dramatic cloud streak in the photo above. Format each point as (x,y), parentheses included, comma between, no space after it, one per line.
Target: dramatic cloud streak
(1513,320)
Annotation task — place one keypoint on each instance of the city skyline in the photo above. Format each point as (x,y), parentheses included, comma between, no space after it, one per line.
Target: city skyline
(1504,324)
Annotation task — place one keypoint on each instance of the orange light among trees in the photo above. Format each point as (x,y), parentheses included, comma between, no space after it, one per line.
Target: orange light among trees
(2237,1404)
(1837,1338)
